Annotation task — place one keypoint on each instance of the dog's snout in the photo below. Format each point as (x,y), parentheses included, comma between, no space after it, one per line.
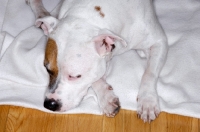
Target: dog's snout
(52,104)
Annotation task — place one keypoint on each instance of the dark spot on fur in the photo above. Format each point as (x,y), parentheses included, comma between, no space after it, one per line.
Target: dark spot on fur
(102,14)
(98,9)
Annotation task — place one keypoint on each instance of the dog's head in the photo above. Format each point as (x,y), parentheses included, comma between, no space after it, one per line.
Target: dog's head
(75,57)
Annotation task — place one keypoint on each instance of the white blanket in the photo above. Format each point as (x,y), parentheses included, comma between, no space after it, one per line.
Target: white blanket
(23,78)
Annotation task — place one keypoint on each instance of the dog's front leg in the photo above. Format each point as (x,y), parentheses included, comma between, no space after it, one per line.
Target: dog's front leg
(148,105)
(108,101)
(38,8)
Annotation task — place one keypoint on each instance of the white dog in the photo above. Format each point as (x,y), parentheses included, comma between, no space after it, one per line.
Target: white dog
(83,39)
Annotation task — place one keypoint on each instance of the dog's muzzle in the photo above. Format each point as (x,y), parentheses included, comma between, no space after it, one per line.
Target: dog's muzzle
(52,104)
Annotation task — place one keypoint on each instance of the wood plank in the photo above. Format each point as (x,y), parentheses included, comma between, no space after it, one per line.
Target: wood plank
(14,119)
(160,124)
(177,123)
(195,125)
(40,121)
(92,123)
(62,123)
(83,123)
(133,124)
(72,123)
(199,125)
(115,124)
(22,119)
(4,110)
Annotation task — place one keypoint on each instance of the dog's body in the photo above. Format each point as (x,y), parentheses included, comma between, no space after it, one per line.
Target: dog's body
(85,37)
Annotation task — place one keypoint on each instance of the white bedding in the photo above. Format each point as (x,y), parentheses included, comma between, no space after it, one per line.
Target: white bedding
(23,79)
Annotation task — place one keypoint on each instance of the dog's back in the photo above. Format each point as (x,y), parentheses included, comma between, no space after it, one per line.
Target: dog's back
(125,18)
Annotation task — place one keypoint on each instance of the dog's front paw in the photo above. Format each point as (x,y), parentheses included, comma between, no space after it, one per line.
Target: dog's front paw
(110,103)
(148,107)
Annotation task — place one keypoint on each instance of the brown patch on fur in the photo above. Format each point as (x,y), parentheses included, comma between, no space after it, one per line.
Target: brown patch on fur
(51,60)
(98,9)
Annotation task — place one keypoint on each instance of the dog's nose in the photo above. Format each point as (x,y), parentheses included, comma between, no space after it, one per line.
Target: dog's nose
(52,104)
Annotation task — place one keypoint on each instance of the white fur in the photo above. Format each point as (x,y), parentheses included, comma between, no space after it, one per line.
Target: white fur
(136,27)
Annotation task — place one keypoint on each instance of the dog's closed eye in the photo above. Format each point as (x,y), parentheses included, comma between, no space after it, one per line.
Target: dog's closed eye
(78,76)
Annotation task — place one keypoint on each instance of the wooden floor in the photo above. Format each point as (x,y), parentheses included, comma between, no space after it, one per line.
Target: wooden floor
(18,119)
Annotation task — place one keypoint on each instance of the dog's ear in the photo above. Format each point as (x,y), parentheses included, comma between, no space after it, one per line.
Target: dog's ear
(47,23)
(106,41)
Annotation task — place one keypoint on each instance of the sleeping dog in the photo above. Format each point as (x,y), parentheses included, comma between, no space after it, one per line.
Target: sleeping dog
(85,37)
